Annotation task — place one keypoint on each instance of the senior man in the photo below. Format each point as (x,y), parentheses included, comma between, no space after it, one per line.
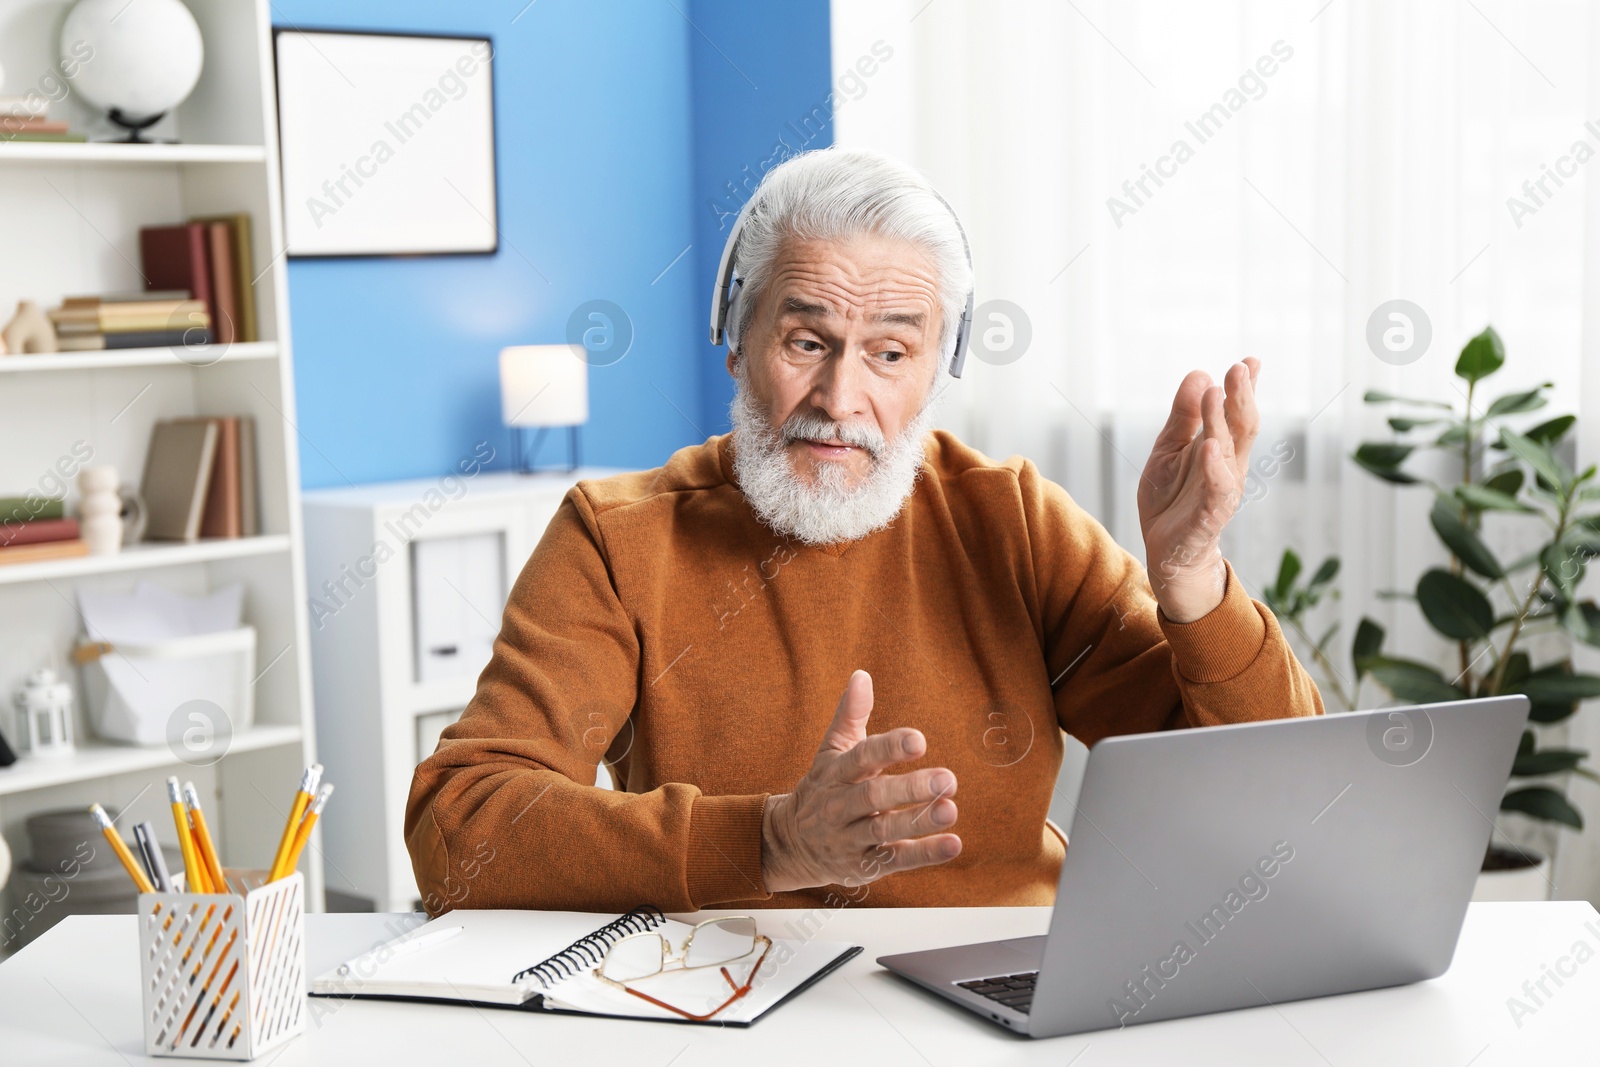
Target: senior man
(694,626)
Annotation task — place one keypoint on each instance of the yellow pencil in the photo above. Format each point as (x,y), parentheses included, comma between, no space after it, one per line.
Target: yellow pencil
(194,872)
(202,840)
(302,798)
(121,849)
(303,834)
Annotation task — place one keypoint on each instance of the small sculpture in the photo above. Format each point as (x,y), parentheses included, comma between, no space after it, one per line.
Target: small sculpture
(29,330)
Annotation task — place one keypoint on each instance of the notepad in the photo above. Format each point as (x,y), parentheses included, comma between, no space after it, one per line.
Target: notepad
(555,954)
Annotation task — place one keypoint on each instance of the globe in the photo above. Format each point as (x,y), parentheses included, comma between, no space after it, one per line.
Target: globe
(136,59)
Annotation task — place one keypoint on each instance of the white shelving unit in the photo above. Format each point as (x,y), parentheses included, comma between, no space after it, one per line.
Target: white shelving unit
(72,218)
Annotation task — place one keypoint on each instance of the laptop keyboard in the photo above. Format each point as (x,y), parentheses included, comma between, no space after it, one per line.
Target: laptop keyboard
(1013,990)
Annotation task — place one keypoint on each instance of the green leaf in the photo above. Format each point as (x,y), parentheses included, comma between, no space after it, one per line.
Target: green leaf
(1563,567)
(1518,667)
(1558,687)
(1288,571)
(1481,356)
(1383,459)
(1547,761)
(1365,644)
(1482,498)
(1410,680)
(1552,430)
(1402,424)
(1551,713)
(1516,403)
(1455,435)
(1507,481)
(1327,572)
(1542,802)
(1462,539)
(1454,606)
(1373,396)
(1589,633)
(1544,462)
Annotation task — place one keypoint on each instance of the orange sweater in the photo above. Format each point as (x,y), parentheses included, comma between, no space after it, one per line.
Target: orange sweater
(660,627)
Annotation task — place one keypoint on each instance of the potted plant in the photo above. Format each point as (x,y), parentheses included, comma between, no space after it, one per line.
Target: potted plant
(1489,608)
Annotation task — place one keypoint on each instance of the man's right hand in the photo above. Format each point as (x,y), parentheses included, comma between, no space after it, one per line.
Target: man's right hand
(847,822)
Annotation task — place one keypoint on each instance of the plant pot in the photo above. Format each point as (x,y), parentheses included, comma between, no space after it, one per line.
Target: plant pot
(1513,874)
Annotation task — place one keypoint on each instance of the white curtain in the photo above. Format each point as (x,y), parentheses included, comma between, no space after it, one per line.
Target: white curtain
(1337,154)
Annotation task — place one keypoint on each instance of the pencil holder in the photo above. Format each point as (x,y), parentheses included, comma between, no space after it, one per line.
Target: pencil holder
(223,973)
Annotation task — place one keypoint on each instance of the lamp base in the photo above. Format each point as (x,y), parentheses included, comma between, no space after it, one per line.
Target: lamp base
(525,456)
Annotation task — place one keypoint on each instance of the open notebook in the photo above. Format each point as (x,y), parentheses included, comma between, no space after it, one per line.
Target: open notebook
(556,952)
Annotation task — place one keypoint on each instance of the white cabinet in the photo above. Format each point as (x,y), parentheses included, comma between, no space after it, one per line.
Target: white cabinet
(407,583)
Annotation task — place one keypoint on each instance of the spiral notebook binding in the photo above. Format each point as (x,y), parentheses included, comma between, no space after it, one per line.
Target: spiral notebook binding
(589,950)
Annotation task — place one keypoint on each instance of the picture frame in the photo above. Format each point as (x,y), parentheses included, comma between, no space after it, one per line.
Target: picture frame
(386,143)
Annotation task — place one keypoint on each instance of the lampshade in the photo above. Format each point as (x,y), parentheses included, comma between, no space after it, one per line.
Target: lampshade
(544,385)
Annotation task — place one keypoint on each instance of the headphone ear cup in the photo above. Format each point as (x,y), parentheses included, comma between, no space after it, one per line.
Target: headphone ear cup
(735,304)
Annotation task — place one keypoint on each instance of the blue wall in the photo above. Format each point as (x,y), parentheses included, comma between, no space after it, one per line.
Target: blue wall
(618,120)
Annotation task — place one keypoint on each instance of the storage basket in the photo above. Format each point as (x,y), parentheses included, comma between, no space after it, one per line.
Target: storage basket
(132,690)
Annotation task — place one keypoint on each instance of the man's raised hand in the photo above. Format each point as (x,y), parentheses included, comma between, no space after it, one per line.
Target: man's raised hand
(847,822)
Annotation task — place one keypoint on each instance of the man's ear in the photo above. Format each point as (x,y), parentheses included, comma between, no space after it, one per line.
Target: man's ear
(732,361)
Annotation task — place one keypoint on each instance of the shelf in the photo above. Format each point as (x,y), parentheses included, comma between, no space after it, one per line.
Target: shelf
(196,356)
(96,759)
(139,557)
(113,152)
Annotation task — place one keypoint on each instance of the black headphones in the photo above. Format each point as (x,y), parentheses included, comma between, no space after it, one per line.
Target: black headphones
(725,297)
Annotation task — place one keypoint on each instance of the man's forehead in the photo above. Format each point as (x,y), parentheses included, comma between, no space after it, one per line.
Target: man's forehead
(882,307)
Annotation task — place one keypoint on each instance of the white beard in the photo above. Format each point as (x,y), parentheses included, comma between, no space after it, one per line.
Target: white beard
(831,510)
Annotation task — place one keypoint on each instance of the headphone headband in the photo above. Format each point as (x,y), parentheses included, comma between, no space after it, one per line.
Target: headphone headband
(725,295)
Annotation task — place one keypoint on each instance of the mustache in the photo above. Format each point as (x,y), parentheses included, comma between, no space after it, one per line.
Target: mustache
(810,426)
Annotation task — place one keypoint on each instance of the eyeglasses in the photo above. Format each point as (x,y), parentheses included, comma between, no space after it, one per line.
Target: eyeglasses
(713,943)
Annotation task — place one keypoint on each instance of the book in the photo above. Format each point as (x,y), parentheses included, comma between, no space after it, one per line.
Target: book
(32,105)
(222,511)
(42,551)
(37,531)
(30,124)
(132,296)
(158,338)
(544,961)
(224,316)
(246,327)
(76,137)
(178,257)
(177,472)
(24,508)
(249,485)
(153,315)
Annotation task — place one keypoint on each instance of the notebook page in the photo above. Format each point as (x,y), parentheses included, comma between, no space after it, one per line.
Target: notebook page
(788,966)
(476,964)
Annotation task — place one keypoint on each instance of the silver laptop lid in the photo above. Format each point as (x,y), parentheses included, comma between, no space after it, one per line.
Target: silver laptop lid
(1253,864)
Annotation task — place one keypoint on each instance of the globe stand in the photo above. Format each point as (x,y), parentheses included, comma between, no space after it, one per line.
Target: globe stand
(137,126)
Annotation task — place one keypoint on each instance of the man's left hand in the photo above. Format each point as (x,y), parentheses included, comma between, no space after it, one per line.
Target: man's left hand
(1192,486)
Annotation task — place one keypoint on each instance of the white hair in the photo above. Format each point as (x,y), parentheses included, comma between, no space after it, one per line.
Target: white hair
(833,193)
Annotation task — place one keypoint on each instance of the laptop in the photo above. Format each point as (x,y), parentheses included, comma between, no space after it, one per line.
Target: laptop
(1237,866)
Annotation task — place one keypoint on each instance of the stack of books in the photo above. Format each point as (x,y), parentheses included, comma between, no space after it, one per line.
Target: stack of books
(154,319)
(34,528)
(212,259)
(200,479)
(26,118)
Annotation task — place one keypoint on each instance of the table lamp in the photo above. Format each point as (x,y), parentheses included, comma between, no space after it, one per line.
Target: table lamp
(544,386)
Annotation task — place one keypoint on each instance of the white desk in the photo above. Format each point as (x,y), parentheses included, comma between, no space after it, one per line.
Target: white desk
(72,998)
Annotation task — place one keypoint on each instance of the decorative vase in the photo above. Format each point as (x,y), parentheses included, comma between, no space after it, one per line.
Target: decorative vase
(100,510)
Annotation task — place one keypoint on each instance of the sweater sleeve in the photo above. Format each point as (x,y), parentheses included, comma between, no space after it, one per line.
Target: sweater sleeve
(505,814)
(1118,665)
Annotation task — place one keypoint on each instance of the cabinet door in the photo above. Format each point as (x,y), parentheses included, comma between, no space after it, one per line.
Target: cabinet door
(458,595)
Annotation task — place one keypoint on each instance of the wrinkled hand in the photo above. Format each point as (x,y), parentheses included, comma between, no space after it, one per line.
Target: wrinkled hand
(848,823)
(1192,486)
